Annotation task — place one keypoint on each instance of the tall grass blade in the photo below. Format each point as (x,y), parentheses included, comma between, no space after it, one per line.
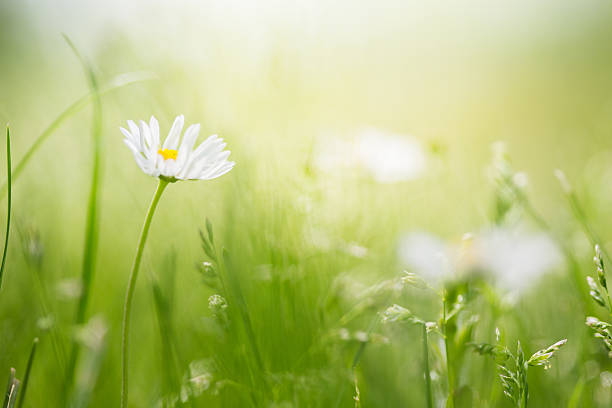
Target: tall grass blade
(91,229)
(8,211)
(92,338)
(580,213)
(117,82)
(242,307)
(355,362)
(428,393)
(11,391)
(163,310)
(26,377)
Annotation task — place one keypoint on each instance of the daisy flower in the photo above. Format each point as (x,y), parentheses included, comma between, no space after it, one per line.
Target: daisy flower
(176,159)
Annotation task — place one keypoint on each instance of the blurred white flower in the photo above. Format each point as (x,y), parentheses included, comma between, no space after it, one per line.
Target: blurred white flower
(426,254)
(390,158)
(356,250)
(174,162)
(69,288)
(46,322)
(361,336)
(387,157)
(344,334)
(93,333)
(520,179)
(514,258)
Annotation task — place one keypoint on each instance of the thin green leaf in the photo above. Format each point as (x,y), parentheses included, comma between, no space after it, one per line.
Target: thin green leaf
(8,211)
(12,387)
(117,82)
(209,229)
(26,377)
(242,307)
(91,229)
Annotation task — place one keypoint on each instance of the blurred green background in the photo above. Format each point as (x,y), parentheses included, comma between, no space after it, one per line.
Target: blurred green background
(281,82)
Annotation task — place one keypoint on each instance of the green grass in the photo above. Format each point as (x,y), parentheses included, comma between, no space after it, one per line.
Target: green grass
(285,313)
(8,203)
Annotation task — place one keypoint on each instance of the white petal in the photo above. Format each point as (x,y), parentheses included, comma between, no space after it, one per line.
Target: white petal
(198,153)
(205,153)
(134,129)
(146,133)
(213,172)
(154,127)
(221,171)
(127,134)
(184,151)
(175,132)
(207,164)
(140,161)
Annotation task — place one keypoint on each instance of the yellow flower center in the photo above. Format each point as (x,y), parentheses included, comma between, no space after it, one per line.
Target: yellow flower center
(168,153)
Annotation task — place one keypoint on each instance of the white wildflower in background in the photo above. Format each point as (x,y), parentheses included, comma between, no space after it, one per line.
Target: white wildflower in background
(513,257)
(174,160)
(387,157)
(356,250)
(426,254)
(45,323)
(92,334)
(70,288)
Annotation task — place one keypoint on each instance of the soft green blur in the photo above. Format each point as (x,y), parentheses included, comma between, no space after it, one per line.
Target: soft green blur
(277,80)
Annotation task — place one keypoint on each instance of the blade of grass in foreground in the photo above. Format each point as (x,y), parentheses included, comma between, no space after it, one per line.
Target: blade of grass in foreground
(8,212)
(10,396)
(242,308)
(117,82)
(91,232)
(170,377)
(356,358)
(238,297)
(26,377)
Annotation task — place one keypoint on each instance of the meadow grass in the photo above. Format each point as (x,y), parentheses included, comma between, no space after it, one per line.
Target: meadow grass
(279,284)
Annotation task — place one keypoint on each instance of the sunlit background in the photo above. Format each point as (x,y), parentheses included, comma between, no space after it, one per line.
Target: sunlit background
(364,135)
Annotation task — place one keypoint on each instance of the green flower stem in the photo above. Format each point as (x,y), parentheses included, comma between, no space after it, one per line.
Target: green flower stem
(428,394)
(130,290)
(450,371)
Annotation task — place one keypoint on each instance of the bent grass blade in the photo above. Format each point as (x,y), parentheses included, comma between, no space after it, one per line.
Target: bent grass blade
(8,211)
(116,83)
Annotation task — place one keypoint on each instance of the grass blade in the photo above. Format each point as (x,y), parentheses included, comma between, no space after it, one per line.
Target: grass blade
(92,337)
(117,82)
(170,377)
(11,391)
(242,308)
(26,377)
(91,231)
(8,211)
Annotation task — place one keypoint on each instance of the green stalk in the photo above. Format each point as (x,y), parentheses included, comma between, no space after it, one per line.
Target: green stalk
(8,211)
(580,215)
(243,309)
(450,372)
(117,82)
(428,394)
(26,377)
(91,231)
(524,395)
(130,290)
(10,396)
